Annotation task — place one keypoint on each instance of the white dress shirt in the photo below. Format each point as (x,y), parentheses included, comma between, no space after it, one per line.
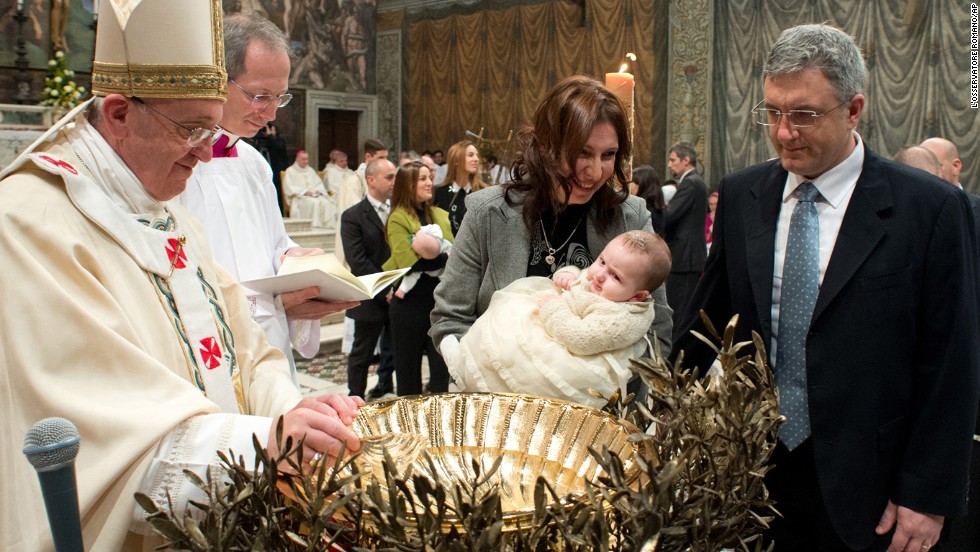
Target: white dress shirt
(683,176)
(383,209)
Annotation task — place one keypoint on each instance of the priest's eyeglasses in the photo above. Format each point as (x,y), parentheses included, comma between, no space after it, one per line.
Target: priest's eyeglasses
(262,101)
(799,118)
(194,135)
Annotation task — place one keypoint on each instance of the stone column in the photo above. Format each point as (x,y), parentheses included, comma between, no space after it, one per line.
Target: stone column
(389,73)
(689,64)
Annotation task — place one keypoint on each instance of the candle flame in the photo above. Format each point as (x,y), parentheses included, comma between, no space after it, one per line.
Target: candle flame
(625,66)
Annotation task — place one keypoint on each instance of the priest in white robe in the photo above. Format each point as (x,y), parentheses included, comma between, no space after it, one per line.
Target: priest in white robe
(233,195)
(335,172)
(115,314)
(306,195)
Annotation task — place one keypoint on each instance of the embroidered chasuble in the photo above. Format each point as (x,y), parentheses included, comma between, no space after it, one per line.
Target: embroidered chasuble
(128,328)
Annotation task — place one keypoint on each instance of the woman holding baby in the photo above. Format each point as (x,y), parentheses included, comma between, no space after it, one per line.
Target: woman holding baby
(412,209)
(566,202)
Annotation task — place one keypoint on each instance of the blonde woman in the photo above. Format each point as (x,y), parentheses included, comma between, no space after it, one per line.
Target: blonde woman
(462,178)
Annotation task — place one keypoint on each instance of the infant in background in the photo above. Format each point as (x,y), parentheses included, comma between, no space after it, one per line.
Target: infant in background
(412,278)
(560,338)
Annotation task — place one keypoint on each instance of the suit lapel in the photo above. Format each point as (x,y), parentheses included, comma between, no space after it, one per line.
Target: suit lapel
(372,215)
(759,226)
(860,231)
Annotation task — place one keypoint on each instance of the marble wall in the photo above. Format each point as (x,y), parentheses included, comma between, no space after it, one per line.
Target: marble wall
(12,142)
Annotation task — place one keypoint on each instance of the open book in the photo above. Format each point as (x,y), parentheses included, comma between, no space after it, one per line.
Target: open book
(336,283)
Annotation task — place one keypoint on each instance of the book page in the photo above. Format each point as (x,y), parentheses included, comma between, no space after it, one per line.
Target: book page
(326,263)
(375,282)
(336,283)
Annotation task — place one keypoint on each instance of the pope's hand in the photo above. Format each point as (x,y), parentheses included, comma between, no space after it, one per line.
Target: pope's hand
(323,422)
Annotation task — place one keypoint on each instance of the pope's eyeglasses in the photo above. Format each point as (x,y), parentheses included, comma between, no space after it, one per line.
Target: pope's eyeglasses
(194,135)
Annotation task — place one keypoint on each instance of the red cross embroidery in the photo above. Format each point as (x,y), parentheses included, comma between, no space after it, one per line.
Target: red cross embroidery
(175,252)
(59,163)
(211,353)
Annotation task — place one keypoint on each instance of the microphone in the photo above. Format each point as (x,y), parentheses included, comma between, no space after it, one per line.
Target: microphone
(51,446)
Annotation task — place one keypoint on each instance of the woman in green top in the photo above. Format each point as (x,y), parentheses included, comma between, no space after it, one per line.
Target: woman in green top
(412,208)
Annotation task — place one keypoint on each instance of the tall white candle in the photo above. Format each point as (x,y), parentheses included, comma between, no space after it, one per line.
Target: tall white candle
(621,85)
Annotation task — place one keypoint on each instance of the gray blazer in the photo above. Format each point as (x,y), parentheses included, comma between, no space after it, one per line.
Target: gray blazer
(492,250)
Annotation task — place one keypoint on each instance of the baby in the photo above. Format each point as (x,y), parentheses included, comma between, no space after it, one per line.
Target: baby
(412,278)
(560,338)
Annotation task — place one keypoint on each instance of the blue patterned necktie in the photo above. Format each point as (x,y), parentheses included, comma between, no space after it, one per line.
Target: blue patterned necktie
(801,283)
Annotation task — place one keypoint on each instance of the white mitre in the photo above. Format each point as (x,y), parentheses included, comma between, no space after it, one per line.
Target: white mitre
(160,49)
(152,49)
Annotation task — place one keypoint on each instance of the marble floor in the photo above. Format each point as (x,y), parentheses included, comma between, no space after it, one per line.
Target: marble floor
(327,372)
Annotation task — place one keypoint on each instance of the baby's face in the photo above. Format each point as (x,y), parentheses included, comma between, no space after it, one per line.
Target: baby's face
(617,274)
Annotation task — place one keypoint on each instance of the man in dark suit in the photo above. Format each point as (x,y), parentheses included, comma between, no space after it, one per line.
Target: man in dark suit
(950,167)
(862,276)
(963,534)
(684,228)
(362,229)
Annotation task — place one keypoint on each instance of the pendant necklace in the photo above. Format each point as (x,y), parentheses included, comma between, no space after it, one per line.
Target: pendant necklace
(550,259)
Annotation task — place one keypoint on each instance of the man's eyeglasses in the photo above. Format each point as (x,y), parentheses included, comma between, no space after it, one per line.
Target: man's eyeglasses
(261,101)
(799,118)
(194,135)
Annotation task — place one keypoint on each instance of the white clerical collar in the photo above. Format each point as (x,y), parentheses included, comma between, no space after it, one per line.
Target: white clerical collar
(836,184)
(232,138)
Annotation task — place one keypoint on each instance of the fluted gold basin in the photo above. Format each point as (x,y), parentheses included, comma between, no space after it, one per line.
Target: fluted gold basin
(533,436)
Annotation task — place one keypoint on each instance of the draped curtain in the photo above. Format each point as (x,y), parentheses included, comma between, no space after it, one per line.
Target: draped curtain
(489,68)
(918,59)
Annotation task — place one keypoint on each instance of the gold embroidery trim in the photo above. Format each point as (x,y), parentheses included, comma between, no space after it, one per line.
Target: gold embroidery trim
(218,41)
(168,80)
(159,81)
